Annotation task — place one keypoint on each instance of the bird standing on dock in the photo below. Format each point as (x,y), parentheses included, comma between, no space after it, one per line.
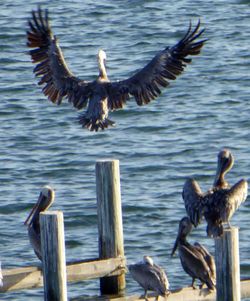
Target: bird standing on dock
(45,200)
(150,276)
(101,95)
(195,259)
(220,202)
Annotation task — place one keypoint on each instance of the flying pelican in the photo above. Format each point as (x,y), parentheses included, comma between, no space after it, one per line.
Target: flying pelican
(45,200)
(220,202)
(101,95)
(150,276)
(195,259)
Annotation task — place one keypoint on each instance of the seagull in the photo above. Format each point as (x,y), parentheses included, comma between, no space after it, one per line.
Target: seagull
(220,202)
(102,95)
(195,259)
(150,276)
(45,200)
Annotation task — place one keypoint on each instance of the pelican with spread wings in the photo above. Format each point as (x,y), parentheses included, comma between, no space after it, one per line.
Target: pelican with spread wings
(101,95)
(220,202)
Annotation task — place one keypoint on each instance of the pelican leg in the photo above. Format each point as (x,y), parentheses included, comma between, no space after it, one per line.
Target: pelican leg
(192,284)
(227,225)
(145,295)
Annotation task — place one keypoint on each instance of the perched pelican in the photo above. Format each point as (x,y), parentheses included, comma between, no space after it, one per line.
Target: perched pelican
(195,259)
(150,276)
(101,95)
(220,202)
(45,200)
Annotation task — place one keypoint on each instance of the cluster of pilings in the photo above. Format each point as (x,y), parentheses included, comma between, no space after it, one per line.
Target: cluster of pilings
(110,267)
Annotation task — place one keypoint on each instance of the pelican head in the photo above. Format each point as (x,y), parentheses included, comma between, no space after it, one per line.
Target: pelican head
(225,163)
(185,227)
(45,200)
(101,56)
(148,260)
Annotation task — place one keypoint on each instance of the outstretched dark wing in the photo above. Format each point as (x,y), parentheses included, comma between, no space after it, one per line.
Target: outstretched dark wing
(236,195)
(146,84)
(192,196)
(57,79)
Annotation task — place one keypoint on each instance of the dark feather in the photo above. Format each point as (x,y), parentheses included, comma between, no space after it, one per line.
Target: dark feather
(144,86)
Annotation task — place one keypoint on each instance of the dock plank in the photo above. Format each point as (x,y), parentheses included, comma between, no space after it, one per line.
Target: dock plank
(31,277)
(184,294)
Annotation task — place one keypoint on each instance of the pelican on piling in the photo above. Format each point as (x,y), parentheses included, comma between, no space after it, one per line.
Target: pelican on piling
(195,259)
(101,95)
(45,200)
(220,202)
(150,276)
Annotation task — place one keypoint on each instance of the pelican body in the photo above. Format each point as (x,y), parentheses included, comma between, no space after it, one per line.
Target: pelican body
(195,259)
(150,276)
(220,202)
(101,95)
(45,200)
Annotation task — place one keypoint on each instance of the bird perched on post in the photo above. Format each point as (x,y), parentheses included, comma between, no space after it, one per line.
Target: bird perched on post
(150,276)
(102,95)
(195,259)
(220,202)
(45,200)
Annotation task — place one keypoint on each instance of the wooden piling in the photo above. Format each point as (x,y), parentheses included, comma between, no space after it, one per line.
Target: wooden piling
(53,255)
(228,266)
(109,220)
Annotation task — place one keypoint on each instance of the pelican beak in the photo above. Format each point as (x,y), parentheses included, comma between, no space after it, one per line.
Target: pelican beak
(219,170)
(34,211)
(175,246)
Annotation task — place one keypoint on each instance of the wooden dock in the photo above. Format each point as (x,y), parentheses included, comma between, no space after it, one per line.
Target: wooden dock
(110,267)
(32,277)
(184,294)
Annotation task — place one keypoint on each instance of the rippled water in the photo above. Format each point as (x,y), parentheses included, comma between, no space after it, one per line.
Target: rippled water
(158,145)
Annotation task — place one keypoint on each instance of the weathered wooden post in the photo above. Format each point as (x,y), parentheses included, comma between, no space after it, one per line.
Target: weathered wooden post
(53,254)
(227,266)
(109,220)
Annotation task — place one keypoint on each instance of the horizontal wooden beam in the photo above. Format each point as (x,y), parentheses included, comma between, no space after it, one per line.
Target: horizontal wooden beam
(185,294)
(190,294)
(31,277)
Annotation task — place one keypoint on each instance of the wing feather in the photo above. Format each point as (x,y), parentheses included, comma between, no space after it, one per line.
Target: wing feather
(237,194)
(51,67)
(192,196)
(195,265)
(146,84)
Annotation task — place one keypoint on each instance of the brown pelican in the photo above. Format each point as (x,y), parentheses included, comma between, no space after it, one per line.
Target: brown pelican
(195,259)
(150,276)
(45,200)
(220,202)
(101,95)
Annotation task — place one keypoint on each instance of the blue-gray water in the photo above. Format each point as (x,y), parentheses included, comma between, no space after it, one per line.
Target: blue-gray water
(158,145)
